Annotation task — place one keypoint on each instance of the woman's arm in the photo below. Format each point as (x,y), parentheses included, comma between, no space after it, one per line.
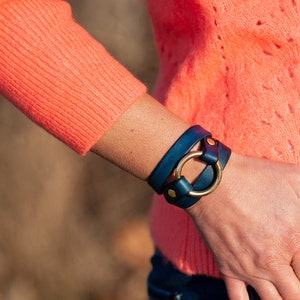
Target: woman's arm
(140,137)
(251,222)
(58,75)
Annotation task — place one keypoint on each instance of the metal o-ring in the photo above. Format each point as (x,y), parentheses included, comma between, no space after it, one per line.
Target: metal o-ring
(217,171)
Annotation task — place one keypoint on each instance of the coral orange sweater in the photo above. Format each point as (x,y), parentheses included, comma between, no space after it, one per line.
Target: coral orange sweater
(231,66)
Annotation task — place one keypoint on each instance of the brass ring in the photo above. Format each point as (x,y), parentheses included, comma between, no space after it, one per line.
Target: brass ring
(217,171)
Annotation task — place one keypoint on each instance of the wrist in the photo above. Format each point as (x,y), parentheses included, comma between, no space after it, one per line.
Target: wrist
(224,189)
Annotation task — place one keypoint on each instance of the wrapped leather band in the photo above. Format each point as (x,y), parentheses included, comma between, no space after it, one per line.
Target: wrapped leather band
(182,146)
(179,191)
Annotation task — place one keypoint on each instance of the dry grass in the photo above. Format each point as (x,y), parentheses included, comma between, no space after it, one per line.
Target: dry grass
(72,227)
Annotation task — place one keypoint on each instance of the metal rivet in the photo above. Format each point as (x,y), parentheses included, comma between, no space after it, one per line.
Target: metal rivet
(171,193)
(211,141)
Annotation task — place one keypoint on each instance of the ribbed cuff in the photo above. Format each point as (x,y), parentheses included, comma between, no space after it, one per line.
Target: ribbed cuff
(58,75)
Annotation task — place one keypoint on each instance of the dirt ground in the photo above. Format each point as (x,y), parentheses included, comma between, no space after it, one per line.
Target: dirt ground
(76,227)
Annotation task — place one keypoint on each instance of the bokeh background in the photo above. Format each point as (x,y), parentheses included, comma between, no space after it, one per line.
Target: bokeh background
(76,227)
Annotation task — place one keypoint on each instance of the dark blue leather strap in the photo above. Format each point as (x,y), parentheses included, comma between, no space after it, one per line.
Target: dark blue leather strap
(182,146)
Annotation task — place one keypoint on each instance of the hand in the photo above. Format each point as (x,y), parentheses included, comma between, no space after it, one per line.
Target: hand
(251,223)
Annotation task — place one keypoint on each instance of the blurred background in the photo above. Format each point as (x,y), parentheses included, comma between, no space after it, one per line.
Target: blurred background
(76,227)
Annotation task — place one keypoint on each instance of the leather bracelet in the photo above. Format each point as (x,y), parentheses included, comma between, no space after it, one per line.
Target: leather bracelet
(182,146)
(182,193)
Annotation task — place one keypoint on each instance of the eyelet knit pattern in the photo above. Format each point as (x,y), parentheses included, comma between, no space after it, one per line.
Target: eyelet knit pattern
(233,67)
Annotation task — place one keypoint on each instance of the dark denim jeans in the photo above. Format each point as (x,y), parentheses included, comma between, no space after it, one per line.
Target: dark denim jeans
(167,283)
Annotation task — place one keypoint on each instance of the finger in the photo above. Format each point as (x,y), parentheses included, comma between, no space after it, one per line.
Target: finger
(266,290)
(287,283)
(296,265)
(236,289)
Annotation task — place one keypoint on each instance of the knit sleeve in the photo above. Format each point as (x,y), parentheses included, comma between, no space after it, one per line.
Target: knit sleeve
(58,75)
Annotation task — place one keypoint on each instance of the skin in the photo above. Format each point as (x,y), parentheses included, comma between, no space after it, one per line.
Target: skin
(256,240)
